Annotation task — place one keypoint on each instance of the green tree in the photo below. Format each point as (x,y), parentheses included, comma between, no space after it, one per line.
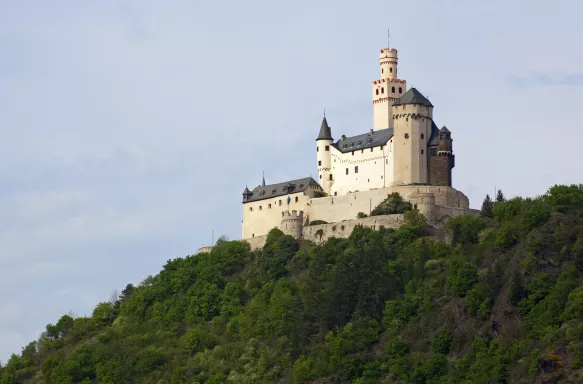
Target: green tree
(500,196)
(487,210)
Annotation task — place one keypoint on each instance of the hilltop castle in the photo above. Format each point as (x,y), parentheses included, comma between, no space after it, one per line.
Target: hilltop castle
(404,152)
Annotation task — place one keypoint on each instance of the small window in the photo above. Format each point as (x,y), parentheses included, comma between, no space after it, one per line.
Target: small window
(406,135)
(320,177)
(251,209)
(362,151)
(347,171)
(382,146)
(400,90)
(422,151)
(356,169)
(391,70)
(330,177)
(319,162)
(352,153)
(407,119)
(382,70)
(382,89)
(327,148)
(371,149)
(269,206)
(317,149)
(335,193)
(377,91)
(393,89)
(280,203)
(260,208)
(297,198)
(422,136)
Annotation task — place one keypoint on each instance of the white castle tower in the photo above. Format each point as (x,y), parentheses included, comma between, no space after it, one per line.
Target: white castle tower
(412,118)
(324,157)
(386,90)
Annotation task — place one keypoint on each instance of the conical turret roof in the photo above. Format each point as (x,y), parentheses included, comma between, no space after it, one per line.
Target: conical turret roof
(246,191)
(413,96)
(325,132)
(444,130)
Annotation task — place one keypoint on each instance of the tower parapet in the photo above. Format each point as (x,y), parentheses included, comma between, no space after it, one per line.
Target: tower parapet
(292,223)
(387,89)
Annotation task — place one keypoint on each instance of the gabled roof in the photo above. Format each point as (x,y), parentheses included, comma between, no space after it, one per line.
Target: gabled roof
(413,96)
(365,140)
(325,132)
(262,192)
(444,130)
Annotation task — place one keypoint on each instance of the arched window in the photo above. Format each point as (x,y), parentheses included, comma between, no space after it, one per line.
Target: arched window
(383,90)
(400,90)
(269,206)
(382,70)
(393,89)
(377,91)
(330,177)
(391,70)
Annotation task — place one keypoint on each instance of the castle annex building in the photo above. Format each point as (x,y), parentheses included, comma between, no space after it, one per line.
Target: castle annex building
(405,151)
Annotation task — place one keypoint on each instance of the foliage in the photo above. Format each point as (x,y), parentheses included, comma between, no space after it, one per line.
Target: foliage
(393,204)
(501,303)
(487,210)
(318,222)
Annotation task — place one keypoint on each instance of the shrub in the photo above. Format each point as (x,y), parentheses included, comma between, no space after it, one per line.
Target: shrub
(393,204)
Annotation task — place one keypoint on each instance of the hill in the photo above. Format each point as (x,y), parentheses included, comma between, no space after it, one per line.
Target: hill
(501,302)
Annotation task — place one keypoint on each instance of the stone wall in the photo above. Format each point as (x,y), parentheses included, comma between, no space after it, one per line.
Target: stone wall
(256,242)
(321,233)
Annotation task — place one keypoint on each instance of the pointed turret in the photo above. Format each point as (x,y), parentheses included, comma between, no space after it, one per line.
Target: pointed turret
(246,194)
(263,180)
(325,132)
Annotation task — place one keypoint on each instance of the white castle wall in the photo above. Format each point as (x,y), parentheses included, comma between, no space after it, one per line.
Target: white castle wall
(375,169)
(259,217)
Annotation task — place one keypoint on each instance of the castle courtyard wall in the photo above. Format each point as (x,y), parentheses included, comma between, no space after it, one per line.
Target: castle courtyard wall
(346,207)
(321,233)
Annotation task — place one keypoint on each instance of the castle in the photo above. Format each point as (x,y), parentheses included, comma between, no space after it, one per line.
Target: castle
(404,152)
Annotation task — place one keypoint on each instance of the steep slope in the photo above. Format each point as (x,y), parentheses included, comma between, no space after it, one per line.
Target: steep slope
(502,302)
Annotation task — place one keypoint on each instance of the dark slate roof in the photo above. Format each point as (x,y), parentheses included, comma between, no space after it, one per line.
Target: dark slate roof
(280,189)
(413,96)
(444,130)
(365,140)
(325,132)
(246,191)
(433,138)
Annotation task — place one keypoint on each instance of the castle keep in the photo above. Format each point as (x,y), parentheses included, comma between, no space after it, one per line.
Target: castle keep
(404,152)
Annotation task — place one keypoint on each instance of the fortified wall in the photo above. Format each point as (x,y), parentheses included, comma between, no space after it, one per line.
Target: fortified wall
(436,203)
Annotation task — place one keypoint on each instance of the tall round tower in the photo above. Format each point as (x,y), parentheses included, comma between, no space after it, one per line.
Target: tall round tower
(324,157)
(387,89)
(413,116)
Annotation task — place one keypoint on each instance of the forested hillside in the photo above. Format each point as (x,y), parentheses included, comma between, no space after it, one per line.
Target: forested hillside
(502,302)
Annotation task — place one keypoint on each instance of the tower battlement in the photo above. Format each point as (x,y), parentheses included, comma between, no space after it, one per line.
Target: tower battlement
(294,214)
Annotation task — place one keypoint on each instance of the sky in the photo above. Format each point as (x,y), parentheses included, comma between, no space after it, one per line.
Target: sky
(130,128)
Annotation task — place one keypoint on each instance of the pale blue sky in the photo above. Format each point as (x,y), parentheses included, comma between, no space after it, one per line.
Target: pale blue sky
(130,128)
